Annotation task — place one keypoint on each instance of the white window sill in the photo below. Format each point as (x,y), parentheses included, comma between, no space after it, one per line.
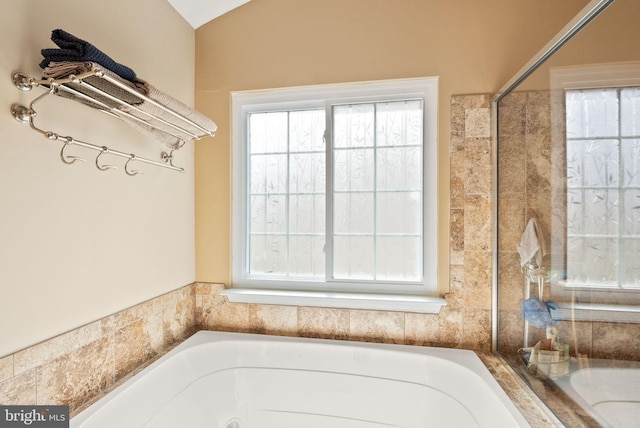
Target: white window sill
(378,302)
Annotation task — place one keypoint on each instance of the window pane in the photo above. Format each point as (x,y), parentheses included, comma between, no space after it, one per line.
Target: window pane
(631,162)
(602,216)
(268,132)
(630,111)
(307,173)
(397,259)
(399,168)
(353,213)
(353,169)
(268,214)
(307,130)
(593,163)
(268,255)
(592,261)
(398,213)
(378,191)
(287,187)
(631,214)
(307,214)
(631,262)
(353,257)
(399,123)
(592,113)
(307,256)
(353,125)
(268,173)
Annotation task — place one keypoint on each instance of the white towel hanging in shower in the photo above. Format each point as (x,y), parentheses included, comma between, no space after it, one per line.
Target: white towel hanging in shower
(532,244)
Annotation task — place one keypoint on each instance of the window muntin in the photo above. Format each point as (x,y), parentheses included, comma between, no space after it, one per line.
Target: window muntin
(282,275)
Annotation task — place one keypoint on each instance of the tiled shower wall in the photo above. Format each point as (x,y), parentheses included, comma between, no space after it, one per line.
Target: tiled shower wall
(531,170)
(76,366)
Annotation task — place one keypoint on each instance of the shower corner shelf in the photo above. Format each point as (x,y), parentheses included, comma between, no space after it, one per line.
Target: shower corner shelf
(112,96)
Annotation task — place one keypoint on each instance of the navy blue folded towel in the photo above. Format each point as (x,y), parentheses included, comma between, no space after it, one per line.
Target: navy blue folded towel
(75,49)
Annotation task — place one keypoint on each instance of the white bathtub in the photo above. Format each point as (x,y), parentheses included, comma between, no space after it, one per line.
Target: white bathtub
(610,395)
(233,380)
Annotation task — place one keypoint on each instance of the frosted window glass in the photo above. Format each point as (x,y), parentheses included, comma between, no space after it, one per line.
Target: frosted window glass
(397,258)
(630,259)
(307,214)
(399,168)
(307,256)
(631,162)
(601,217)
(268,173)
(631,220)
(268,254)
(353,257)
(353,212)
(353,126)
(377,184)
(603,187)
(307,130)
(267,214)
(399,123)
(354,169)
(399,213)
(268,132)
(287,181)
(592,113)
(307,173)
(630,111)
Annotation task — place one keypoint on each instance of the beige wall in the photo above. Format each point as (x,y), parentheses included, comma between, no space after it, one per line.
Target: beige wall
(77,244)
(474,47)
(610,38)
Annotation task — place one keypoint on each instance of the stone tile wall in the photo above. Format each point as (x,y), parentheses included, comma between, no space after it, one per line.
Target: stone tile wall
(76,366)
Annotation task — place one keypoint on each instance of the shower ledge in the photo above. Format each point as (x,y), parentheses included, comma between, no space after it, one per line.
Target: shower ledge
(596,312)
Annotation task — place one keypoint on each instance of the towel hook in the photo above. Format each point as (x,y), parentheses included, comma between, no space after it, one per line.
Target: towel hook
(133,172)
(68,159)
(168,157)
(104,150)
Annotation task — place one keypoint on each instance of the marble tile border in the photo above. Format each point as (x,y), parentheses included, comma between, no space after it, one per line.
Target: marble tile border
(529,404)
(76,366)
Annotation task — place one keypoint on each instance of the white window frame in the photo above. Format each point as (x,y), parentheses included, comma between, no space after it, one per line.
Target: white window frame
(413,297)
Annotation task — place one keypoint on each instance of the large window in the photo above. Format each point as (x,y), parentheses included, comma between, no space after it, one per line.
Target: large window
(335,190)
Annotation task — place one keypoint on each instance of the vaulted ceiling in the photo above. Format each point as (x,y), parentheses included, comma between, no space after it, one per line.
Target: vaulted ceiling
(199,12)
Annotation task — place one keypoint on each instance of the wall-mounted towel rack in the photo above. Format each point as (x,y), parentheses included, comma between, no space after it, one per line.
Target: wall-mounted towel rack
(140,105)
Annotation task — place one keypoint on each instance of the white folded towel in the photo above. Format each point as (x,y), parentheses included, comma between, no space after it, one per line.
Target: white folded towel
(532,244)
(172,137)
